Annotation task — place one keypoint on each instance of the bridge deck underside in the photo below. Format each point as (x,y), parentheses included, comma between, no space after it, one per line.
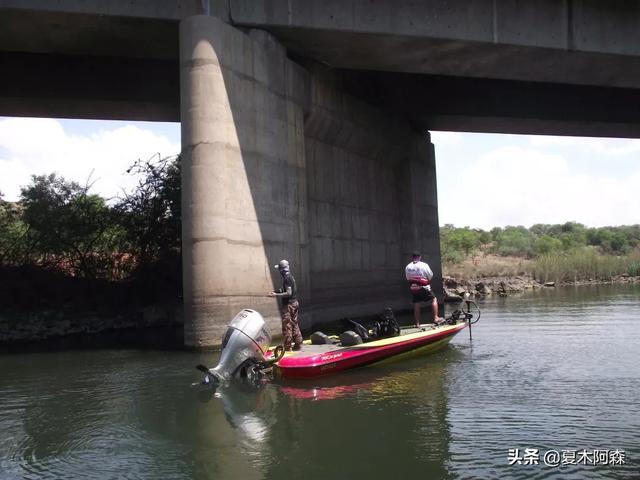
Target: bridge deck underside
(83,65)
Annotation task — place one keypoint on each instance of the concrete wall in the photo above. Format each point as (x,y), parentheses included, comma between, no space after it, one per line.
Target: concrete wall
(372,200)
(279,162)
(244,183)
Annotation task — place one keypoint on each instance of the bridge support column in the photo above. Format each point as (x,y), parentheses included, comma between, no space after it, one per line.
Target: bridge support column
(419,208)
(243,179)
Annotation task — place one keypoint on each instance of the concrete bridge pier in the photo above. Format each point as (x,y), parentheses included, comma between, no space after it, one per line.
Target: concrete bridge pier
(243,173)
(280,161)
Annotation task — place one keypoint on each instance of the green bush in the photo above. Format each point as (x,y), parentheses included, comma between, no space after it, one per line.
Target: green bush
(540,239)
(452,257)
(514,241)
(61,225)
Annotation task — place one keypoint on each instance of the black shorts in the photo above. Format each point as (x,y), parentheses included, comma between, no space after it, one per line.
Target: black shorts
(422,295)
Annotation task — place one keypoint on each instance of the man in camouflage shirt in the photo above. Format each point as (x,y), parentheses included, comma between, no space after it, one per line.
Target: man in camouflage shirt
(289,308)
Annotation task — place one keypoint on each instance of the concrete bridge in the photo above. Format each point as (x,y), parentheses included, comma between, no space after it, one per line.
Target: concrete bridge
(305,122)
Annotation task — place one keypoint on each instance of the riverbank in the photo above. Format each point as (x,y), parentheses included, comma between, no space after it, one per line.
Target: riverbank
(27,327)
(76,309)
(487,275)
(40,305)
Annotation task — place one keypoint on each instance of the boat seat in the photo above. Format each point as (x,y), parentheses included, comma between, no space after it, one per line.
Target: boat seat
(350,338)
(319,338)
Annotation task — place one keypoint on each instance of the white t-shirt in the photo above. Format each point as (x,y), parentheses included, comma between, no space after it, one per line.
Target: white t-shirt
(417,270)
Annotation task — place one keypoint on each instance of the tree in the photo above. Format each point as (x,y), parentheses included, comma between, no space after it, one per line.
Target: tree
(546,244)
(540,229)
(12,231)
(495,233)
(484,237)
(515,241)
(573,235)
(151,214)
(456,243)
(618,243)
(465,239)
(69,228)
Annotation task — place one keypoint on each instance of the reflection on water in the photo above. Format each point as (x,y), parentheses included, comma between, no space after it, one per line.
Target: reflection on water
(338,426)
(550,370)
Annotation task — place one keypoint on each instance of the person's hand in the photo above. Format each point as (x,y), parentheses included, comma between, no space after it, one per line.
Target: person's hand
(271,294)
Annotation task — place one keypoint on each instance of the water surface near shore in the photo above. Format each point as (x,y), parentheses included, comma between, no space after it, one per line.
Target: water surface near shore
(553,369)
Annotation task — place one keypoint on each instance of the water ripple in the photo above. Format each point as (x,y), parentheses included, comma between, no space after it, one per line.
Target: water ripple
(553,371)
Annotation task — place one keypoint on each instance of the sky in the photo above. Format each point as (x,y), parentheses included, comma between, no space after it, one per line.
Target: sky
(490,180)
(92,151)
(484,180)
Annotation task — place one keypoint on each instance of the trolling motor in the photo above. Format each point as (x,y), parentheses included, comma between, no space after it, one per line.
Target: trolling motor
(465,314)
(244,346)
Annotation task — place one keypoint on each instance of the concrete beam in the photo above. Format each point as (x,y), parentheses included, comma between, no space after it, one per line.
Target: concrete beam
(68,86)
(501,106)
(158,9)
(583,42)
(88,35)
(110,88)
(581,25)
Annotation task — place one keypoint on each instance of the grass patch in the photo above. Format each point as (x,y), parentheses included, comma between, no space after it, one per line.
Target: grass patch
(634,268)
(577,265)
(488,266)
(583,264)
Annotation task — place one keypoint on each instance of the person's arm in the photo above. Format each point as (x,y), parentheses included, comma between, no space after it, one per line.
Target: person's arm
(429,273)
(286,293)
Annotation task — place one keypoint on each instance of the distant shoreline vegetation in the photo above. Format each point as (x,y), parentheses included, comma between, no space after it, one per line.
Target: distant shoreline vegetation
(564,253)
(60,226)
(61,229)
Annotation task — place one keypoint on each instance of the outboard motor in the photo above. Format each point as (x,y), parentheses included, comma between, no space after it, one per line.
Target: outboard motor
(244,345)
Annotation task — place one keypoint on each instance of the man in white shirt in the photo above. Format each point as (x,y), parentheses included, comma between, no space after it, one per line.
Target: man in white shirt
(419,276)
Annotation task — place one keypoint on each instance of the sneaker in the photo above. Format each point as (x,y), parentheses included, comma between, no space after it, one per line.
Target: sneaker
(297,347)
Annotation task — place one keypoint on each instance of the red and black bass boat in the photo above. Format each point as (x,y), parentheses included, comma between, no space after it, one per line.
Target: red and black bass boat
(246,351)
(317,360)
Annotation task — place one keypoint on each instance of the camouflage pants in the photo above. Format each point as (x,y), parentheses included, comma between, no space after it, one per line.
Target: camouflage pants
(290,327)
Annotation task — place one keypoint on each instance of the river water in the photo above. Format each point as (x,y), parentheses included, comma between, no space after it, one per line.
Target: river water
(552,370)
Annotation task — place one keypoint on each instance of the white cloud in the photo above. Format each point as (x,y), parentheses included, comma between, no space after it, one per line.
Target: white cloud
(523,186)
(605,146)
(37,146)
(527,180)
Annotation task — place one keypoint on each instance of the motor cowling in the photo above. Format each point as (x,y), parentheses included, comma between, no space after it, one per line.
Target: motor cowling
(244,343)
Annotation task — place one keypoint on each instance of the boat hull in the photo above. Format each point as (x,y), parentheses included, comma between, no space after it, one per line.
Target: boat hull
(319,360)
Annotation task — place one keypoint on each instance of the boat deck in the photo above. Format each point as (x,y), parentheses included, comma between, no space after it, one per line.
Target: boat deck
(319,360)
(308,349)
